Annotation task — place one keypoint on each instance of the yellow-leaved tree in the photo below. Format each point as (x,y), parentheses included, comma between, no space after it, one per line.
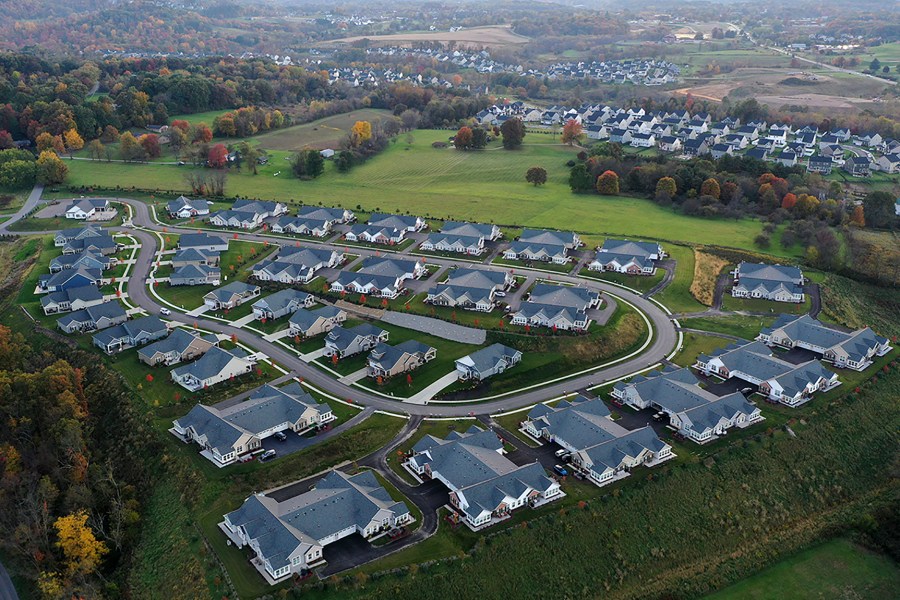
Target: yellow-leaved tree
(74,143)
(360,132)
(81,550)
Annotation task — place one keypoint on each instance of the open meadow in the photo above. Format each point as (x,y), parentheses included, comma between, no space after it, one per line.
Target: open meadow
(465,37)
(487,185)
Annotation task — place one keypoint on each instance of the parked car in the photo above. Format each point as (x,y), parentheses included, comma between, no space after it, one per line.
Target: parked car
(579,475)
(659,416)
(267,455)
(560,470)
(280,436)
(165,312)
(559,453)
(500,294)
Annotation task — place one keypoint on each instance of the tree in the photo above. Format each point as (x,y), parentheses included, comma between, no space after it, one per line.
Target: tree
(200,134)
(875,64)
(96,149)
(666,186)
(360,133)
(250,154)
(218,156)
(580,179)
(73,141)
(307,164)
(6,140)
(479,138)
(50,168)
(710,187)
(789,201)
(44,141)
(344,161)
(608,183)
(82,551)
(150,143)
(572,132)
(129,148)
(879,209)
(17,174)
(463,138)
(536,176)
(513,131)
(110,135)
(858,216)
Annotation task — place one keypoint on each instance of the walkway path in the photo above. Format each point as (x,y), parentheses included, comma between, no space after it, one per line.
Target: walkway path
(428,393)
(31,203)
(669,266)
(436,327)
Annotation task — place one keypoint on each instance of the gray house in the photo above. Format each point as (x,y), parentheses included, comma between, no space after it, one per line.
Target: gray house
(487,362)
(193,256)
(132,333)
(181,345)
(69,278)
(195,275)
(215,366)
(71,299)
(202,241)
(387,361)
(231,295)
(281,303)
(98,316)
(309,323)
(342,342)
(780,283)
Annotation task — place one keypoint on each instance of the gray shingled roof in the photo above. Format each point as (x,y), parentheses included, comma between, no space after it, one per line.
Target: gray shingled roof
(708,415)
(630,248)
(305,318)
(281,300)
(387,267)
(458,228)
(476,278)
(581,424)
(487,358)
(392,221)
(209,364)
(611,453)
(84,293)
(189,240)
(177,341)
(562,295)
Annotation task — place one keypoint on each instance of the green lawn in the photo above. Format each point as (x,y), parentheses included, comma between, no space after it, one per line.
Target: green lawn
(738,325)
(202,117)
(641,283)
(484,186)
(696,344)
(544,266)
(759,305)
(835,569)
(677,295)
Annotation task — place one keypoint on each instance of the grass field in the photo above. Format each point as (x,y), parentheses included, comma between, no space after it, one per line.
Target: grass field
(677,295)
(320,134)
(468,36)
(696,344)
(758,305)
(486,186)
(202,117)
(836,569)
(737,325)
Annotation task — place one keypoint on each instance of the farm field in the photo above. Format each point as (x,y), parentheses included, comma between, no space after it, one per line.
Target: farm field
(320,134)
(836,569)
(484,186)
(474,36)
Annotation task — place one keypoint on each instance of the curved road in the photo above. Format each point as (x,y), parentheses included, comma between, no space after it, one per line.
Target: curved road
(664,340)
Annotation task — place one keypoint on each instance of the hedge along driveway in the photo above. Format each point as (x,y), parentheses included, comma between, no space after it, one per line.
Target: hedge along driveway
(487,185)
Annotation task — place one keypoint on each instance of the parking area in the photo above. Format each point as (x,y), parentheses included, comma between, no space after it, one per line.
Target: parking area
(292,443)
(729,386)
(632,419)
(797,356)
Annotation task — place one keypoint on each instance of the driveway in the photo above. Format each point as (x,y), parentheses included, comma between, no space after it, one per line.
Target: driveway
(7,590)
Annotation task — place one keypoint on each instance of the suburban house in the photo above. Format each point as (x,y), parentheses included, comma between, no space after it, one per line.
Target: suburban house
(858,166)
(820,164)
(487,232)
(227,433)
(564,295)
(195,275)
(477,278)
(484,485)
(330,215)
(83,260)
(70,278)
(570,241)
(400,222)
(696,147)
(852,350)
(343,342)
(203,242)
(181,345)
(183,208)
(75,298)
(247,214)
(307,323)
(391,267)
(230,295)
(89,238)
(694,412)
(446,242)
(289,535)
(479,299)
(529,251)
(532,314)
(93,318)
(487,362)
(624,256)
(758,153)
(294,265)
(609,460)
(300,226)
(778,380)
(215,366)
(387,361)
(669,143)
(779,283)
(281,304)
(129,334)
(88,208)
(374,234)
(377,286)
(888,163)
(192,256)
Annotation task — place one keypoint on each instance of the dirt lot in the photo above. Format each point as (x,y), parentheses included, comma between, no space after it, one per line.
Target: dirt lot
(476,36)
